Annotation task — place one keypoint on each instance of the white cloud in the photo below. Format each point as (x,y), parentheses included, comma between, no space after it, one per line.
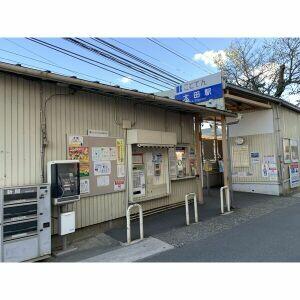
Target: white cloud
(126,80)
(208,57)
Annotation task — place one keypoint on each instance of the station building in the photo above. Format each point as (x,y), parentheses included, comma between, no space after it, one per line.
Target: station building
(164,155)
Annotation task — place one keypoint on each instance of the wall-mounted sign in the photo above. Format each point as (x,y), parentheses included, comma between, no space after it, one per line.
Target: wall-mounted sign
(206,91)
(294,175)
(254,157)
(97,133)
(294,150)
(286,150)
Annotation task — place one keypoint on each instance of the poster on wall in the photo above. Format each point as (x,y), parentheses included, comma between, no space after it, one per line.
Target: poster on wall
(119,185)
(294,175)
(75,140)
(100,153)
(254,157)
(102,168)
(84,186)
(120,170)
(80,153)
(286,150)
(84,170)
(102,180)
(240,156)
(269,167)
(120,151)
(294,150)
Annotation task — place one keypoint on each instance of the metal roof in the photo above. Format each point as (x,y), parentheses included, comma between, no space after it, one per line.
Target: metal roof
(262,97)
(97,87)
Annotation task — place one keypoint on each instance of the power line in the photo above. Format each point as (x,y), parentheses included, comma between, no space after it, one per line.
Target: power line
(140,60)
(30,51)
(197,50)
(201,43)
(118,59)
(55,65)
(153,58)
(93,62)
(174,52)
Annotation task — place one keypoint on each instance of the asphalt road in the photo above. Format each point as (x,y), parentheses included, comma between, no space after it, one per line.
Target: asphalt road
(272,237)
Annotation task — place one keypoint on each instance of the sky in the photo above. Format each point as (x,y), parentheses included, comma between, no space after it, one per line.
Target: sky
(197,62)
(191,58)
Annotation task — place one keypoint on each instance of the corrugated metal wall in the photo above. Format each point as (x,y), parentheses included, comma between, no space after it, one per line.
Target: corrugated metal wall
(20,159)
(265,144)
(289,123)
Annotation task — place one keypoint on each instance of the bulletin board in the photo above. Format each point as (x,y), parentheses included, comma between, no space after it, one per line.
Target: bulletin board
(102,163)
(240,156)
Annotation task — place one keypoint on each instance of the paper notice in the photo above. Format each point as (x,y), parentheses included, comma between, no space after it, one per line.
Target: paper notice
(102,168)
(102,180)
(121,170)
(100,153)
(119,185)
(75,140)
(120,151)
(84,186)
(113,153)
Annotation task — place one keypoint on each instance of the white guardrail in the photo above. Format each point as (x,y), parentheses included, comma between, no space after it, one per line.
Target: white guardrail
(128,222)
(227,196)
(187,213)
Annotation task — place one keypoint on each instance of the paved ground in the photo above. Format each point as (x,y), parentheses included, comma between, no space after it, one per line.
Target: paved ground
(265,232)
(261,228)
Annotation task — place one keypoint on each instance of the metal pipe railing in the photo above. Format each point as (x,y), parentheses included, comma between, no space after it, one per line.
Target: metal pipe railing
(187,213)
(128,222)
(227,195)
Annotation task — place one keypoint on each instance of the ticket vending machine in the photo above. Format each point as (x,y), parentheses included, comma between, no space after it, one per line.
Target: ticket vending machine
(148,163)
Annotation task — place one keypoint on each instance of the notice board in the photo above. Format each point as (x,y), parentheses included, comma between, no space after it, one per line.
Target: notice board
(102,163)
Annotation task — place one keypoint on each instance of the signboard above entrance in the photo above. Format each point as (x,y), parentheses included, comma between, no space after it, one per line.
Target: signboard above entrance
(206,91)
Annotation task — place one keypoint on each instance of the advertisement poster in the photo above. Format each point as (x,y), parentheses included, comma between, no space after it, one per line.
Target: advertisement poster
(84,186)
(112,153)
(80,153)
(84,170)
(100,153)
(240,156)
(294,150)
(102,180)
(294,175)
(269,167)
(119,185)
(286,150)
(120,151)
(121,170)
(102,168)
(264,170)
(75,140)
(254,157)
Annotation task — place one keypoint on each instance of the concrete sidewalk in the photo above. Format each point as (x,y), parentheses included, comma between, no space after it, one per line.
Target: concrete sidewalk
(167,230)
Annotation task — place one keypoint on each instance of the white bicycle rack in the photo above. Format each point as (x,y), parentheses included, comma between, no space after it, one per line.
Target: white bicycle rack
(227,196)
(187,213)
(128,222)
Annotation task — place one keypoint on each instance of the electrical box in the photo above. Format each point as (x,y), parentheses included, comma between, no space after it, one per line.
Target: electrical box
(63,176)
(66,223)
(25,223)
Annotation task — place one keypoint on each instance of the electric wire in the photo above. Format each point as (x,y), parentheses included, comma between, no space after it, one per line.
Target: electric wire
(197,50)
(174,52)
(132,56)
(124,62)
(95,63)
(55,65)
(151,57)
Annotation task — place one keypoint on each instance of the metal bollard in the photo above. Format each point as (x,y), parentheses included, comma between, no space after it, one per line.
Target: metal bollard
(187,213)
(128,222)
(227,198)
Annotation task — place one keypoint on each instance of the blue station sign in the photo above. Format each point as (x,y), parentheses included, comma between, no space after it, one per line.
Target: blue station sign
(203,91)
